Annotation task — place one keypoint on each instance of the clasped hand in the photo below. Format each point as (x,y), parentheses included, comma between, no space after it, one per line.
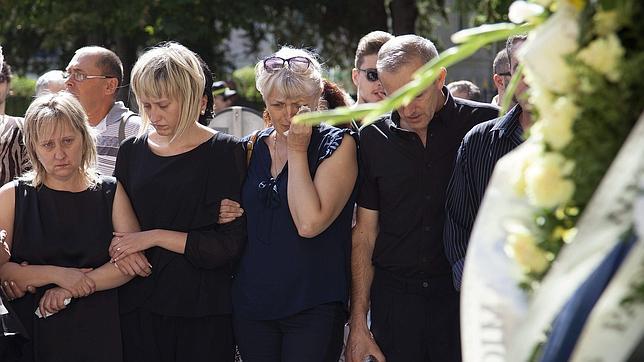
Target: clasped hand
(76,281)
(53,301)
(124,244)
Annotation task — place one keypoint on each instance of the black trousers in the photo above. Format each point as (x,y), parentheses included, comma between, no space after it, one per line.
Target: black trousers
(415,320)
(156,338)
(312,335)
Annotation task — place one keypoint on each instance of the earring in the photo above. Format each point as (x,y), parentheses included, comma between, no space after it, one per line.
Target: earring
(203,111)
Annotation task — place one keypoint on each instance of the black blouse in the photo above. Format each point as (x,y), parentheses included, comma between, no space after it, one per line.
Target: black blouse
(183,193)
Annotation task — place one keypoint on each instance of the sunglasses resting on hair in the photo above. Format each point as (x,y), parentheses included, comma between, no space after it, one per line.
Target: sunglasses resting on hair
(295,64)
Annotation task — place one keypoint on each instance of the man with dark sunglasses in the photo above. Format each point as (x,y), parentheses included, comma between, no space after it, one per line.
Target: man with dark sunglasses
(365,74)
(399,268)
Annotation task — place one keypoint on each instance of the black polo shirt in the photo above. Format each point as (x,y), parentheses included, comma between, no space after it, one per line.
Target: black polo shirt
(406,183)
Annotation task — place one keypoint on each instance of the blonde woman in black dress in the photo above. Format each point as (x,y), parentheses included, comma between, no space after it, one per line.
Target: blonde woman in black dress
(59,219)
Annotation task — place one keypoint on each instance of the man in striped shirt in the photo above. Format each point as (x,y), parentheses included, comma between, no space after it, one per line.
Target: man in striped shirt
(481,148)
(94,76)
(13,153)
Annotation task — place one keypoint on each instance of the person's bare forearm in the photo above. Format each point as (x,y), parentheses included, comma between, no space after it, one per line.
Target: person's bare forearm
(108,276)
(362,276)
(29,275)
(303,199)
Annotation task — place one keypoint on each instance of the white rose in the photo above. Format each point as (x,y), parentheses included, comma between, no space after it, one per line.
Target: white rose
(521,11)
(520,161)
(555,132)
(565,108)
(606,22)
(544,51)
(555,125)
(545,182)
(604,55)
(539,95)
(521,246)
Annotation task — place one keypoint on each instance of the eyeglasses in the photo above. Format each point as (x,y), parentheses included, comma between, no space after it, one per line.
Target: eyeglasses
(371,73)
(506,74)
(81,77)
(296,64)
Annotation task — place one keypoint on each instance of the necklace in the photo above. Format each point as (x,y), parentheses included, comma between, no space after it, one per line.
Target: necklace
(276,165)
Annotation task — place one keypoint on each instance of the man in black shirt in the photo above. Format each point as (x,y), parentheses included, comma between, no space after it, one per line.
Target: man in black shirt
(398,265)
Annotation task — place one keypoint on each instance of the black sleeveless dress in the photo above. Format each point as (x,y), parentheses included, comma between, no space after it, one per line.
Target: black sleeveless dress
(67,229)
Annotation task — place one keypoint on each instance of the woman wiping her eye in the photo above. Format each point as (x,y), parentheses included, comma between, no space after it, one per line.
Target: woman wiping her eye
(290,290)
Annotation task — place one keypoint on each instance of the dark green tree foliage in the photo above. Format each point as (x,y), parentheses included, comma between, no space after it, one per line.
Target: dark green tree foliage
(41,34)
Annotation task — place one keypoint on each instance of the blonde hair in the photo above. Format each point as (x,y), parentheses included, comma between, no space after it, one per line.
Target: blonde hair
(173,71)
(43,116)
(286,82)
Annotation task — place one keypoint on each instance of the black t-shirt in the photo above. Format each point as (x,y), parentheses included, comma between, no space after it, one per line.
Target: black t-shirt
(183,193)
(406,183)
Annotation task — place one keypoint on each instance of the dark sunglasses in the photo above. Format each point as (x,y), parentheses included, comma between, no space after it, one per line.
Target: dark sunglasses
(3,78)
(506,74)
(371,73)
(295,64)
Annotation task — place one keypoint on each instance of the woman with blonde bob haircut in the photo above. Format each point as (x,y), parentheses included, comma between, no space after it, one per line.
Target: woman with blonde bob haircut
(176,175)
(290,291)
(59,219)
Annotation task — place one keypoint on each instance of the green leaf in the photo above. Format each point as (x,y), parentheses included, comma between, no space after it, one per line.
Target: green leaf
(424,76)
(468,35)
(511,89)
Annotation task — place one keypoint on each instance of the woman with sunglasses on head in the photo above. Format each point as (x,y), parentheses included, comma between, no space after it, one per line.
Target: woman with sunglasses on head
(176,176)
(290,291)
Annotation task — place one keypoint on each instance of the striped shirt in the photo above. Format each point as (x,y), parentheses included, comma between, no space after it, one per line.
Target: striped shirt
(13,153)
(481,148)
(108,142)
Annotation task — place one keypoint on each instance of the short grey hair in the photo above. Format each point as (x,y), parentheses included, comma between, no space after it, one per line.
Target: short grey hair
(109,63)
(45,80)
(403,50)
(471,90)
(286,82)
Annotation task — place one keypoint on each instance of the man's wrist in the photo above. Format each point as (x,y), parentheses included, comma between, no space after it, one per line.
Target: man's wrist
(358,323)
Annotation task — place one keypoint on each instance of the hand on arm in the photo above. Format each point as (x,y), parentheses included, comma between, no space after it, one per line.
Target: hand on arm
(112,275)
(13,290)
(134,264)
(335,179)
(229,210)
(360,343)
(124,244)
